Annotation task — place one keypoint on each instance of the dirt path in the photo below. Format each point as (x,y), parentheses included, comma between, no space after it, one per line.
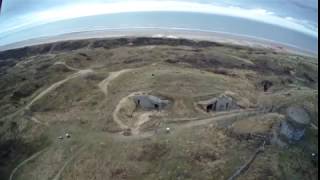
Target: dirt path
(213,115)
(66,65)
(221,120)
(117,110)
(179,123)
(30,59)
(176,127)
(25,162)
(103,85)
(51,88)
(35,120)
(247,164)
(58,175)
(143,118)
(56,85)
(228,117)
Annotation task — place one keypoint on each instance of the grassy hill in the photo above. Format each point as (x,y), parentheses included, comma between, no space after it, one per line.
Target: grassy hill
(84,88)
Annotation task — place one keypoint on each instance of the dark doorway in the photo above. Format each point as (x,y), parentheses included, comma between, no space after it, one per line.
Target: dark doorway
(156,106)
(267,85)
(209,107)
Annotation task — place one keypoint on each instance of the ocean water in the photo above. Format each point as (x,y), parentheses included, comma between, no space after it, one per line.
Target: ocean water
(183,20)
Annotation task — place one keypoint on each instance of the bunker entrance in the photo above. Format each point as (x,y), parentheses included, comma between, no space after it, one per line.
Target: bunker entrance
(266,85)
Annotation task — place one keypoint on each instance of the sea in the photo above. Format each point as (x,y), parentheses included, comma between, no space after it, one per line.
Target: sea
(171,20)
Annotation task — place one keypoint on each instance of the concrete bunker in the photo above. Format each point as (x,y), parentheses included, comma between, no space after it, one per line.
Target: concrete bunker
(221,103)
(294,127)
(150,102)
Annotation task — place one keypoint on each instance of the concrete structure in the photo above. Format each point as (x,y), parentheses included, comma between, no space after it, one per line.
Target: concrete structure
(221,103)
(294,127)
(149,102)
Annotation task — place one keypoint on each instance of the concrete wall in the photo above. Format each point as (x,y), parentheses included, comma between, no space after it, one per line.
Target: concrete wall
(149,102)
(289,133)
(294,127)
(221,103)
(225,103)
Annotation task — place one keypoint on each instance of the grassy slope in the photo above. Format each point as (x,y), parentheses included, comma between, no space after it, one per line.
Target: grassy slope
(185,74)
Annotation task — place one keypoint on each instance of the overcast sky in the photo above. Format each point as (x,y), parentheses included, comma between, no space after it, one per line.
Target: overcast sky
(298,15)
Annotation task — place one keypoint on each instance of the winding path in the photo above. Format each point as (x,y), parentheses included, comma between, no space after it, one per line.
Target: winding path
(141,135)
(137,134)
(141,119)
(192,122)
(58,175)
(218,119)
(35,120)
(103,85)
(56,85)
(116,112)
(66,65)
(25,162)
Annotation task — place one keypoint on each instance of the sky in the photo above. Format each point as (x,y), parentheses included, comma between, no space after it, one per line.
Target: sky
(297,15)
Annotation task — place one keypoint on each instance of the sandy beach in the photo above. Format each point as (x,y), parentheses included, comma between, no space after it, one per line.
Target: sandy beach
(177,33)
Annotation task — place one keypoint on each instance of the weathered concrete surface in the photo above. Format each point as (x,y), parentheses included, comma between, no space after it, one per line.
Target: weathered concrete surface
(298,117)
(221,103)
(150,102)
(294,127)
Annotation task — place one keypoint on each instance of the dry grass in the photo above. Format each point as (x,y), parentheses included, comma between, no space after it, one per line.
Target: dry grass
(183,73)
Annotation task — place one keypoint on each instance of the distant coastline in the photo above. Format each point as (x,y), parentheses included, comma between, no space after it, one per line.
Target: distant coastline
(175,33)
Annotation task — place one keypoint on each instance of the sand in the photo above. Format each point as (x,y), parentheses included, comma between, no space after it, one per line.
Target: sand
(165,33)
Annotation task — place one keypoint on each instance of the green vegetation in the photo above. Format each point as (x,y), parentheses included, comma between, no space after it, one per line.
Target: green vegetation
(83,89)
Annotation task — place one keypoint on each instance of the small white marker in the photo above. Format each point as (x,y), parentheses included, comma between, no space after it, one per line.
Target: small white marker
(67,135)
(167,129)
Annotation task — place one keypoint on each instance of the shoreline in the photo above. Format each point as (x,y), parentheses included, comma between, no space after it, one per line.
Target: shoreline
(174,33)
